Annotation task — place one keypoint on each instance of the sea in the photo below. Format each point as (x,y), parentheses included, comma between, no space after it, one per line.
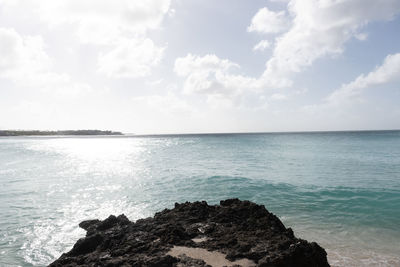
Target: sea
(340,189)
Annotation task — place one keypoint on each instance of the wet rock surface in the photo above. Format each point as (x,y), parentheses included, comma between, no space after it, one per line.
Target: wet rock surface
(238,229)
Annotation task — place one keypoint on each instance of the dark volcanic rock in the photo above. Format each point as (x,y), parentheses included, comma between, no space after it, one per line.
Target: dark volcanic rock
(239,229)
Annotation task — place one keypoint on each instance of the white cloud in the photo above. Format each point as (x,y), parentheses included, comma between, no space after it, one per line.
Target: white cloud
(24,61)
(362,36)
(388,72)
(211,75)
(262,45)
(278,97)
(267,21)
(155,82)
(219,81)
(168,104)
(21,55)
(345,105)
(321,28)
(301,91)
(191,63)
(118,28)
(130,58)
(101,21)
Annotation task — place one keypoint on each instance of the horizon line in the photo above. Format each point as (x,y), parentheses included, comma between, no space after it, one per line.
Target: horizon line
(259,132)
(123,134)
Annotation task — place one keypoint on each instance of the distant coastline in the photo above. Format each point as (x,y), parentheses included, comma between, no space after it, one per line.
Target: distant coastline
(54,133)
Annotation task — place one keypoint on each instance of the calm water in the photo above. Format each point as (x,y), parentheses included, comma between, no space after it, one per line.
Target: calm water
(339,189)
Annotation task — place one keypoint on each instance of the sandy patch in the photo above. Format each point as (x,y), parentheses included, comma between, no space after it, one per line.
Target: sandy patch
(213,258)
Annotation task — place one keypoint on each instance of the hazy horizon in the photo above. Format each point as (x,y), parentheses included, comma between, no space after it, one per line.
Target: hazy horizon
(127,134)
(179,67)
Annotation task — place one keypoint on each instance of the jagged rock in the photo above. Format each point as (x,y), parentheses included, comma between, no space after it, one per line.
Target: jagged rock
(238,229)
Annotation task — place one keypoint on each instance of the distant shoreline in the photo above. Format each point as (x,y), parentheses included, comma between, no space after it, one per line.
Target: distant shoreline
(56,133)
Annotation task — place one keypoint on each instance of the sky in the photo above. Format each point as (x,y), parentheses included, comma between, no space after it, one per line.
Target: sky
(200,66)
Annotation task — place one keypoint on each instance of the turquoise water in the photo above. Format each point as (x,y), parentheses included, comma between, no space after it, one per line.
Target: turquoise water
(340,189)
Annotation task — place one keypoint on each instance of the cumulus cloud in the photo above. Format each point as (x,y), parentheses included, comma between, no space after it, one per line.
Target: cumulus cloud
(102,21)
(321,28)
(278,97)
(130,58)
(388,72)
(24,61)
(21,55)
(221,84)
(191,63)
(119,29)
(267,21)
(211,75)
(262,45)
(344,101)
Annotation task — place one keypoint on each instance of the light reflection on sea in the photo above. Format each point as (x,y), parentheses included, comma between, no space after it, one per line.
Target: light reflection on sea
(341,189)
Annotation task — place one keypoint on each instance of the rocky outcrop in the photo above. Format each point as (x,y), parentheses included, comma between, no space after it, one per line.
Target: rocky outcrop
(241,230)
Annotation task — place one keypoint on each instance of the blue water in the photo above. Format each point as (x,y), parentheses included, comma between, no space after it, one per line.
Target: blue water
(340,189)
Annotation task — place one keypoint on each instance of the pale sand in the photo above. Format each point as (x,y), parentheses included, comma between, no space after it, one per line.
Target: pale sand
(213,258)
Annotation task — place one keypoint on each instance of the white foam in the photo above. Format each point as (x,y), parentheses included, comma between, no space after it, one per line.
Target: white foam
(365,258)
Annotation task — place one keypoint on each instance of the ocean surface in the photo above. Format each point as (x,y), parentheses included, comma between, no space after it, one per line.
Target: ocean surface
(341,189)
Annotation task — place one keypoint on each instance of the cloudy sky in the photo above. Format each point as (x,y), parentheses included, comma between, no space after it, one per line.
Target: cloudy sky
(181,66)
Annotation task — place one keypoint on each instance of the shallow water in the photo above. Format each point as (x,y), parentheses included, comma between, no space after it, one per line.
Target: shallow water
(339,189)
